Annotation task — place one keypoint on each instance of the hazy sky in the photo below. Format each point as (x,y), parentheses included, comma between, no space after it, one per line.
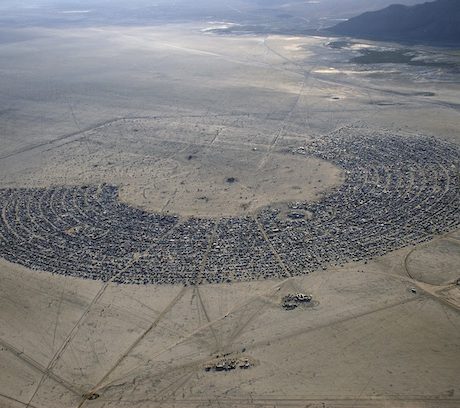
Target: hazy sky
(142,12)
(204,3)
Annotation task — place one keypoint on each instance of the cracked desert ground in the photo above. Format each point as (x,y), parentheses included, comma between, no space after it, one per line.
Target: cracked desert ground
(169,114)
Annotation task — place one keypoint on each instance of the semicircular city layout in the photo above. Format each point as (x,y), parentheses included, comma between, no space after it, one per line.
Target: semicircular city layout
(398,191)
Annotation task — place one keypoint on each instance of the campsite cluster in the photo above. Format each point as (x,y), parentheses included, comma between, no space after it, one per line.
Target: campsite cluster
(397,191)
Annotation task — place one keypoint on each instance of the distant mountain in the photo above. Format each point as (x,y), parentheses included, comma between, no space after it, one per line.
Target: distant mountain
(433,22)
(263,16)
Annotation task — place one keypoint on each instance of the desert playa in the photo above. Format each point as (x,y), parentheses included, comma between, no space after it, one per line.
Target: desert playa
(165,190)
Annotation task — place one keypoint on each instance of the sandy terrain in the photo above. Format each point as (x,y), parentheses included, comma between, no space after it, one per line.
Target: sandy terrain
(435,263)
(190,167)
(170,115)
(142,345)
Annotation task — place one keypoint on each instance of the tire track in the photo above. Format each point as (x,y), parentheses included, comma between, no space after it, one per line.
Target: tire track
(16,400)
(136,343)
(206,326)
(38,367)
(77,325)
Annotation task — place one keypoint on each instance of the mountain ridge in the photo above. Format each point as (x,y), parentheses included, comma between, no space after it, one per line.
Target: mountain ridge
(431,22)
